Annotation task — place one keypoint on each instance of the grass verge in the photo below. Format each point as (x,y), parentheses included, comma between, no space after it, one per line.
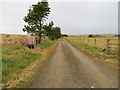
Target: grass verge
(15,61)
(89,49)
(98,54)
(47,44)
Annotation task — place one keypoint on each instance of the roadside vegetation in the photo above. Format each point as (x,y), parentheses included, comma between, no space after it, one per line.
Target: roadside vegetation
(87,48)
(45,44)
(16,56)
(97,50)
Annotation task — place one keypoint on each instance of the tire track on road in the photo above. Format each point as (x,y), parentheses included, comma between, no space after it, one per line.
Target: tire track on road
(70,68)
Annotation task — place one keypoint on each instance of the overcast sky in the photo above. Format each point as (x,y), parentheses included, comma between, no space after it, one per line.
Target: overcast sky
(80,17)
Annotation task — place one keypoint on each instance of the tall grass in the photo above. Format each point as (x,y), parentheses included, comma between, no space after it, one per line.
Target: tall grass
(16,56)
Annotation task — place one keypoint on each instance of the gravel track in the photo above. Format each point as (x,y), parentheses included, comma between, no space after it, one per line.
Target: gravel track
(68,67)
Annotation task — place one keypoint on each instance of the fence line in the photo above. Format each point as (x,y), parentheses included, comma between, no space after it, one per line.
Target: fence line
(108,45)
(105,44)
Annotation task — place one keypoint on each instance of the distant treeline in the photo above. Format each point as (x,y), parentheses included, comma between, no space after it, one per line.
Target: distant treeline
(91,35)
(97,35)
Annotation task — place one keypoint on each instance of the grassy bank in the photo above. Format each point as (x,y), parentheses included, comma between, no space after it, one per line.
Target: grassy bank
(14,61)
(89,49)
(45,44)
(17,57)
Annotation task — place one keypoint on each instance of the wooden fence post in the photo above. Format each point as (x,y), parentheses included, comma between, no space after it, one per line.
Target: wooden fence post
(94,42)
(79,40)
(88,41)
(107,46)
(83,40)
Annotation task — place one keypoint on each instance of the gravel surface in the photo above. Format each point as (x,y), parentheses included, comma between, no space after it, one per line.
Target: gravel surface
(70,68)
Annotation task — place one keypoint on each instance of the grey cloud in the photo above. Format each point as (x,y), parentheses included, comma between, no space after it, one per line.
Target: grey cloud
(73,18)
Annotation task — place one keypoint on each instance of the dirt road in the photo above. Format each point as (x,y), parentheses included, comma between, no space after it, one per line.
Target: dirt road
(70,68)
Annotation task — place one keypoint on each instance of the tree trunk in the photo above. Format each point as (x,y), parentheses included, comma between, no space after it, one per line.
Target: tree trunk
(39,39)
(40,33)
(49,37)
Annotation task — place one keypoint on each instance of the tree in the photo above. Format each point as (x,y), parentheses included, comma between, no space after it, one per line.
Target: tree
(64,35)
(56,33)
(35,18)
(90,35)
(52,32)
(48,29)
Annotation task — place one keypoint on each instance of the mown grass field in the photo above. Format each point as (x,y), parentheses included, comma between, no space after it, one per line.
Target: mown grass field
(16,56)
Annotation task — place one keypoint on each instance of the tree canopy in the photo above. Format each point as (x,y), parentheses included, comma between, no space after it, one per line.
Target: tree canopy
(48,29)
(56,33)
(52,32)
(36,17)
